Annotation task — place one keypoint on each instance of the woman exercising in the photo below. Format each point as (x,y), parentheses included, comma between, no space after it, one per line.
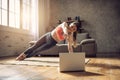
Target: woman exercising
(64,31)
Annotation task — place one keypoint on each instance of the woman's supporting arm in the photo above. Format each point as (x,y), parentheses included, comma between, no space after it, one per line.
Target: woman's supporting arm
(70,42)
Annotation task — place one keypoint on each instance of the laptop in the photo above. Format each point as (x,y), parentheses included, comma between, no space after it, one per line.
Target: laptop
(72,61)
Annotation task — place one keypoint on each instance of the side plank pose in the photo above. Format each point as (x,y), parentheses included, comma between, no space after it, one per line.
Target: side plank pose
(64,31)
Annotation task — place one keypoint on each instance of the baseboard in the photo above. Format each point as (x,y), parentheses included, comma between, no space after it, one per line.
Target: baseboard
(108,54)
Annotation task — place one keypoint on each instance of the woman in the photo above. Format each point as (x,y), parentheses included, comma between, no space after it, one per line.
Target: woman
(61,32)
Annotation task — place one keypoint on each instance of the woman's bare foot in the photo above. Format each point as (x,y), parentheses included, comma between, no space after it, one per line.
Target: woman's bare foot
(22,56)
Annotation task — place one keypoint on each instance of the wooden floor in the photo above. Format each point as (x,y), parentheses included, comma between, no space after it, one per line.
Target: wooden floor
(96,69)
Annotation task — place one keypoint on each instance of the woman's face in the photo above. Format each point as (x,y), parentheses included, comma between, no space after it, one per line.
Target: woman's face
(72,27)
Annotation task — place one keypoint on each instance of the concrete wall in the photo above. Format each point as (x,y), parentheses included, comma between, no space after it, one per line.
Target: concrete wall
(101,19)
(13,41)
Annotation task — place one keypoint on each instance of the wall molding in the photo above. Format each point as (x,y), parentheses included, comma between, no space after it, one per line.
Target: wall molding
(108,54)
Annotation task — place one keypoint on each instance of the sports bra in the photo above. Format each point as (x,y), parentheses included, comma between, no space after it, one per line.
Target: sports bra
(60,33)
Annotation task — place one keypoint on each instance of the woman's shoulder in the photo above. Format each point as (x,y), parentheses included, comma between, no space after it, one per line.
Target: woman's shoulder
(64,24)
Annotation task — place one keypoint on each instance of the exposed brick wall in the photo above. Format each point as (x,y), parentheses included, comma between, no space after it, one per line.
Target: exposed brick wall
(13,41)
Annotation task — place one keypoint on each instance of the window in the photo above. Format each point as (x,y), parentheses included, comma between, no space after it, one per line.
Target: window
(3,11)
(0,11)
(18,13)
(26,5)
(14,13)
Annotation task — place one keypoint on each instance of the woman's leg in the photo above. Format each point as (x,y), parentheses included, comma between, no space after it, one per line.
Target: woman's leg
(40,42)
(49,43)
(28,51)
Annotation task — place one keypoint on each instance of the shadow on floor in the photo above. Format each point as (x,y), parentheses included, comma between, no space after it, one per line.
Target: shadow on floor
(84,73)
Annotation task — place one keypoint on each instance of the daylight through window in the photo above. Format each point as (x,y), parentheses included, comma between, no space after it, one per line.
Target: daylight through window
(18,13)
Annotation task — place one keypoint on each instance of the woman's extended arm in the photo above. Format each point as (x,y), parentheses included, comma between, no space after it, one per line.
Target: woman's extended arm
(64,26)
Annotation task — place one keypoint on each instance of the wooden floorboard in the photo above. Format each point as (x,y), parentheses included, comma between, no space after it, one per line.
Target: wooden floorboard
(96,69)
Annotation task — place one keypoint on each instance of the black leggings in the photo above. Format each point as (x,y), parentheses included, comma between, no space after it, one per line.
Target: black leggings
(45,42)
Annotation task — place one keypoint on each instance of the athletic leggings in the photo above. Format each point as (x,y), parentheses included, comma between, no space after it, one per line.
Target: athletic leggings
(45,42)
